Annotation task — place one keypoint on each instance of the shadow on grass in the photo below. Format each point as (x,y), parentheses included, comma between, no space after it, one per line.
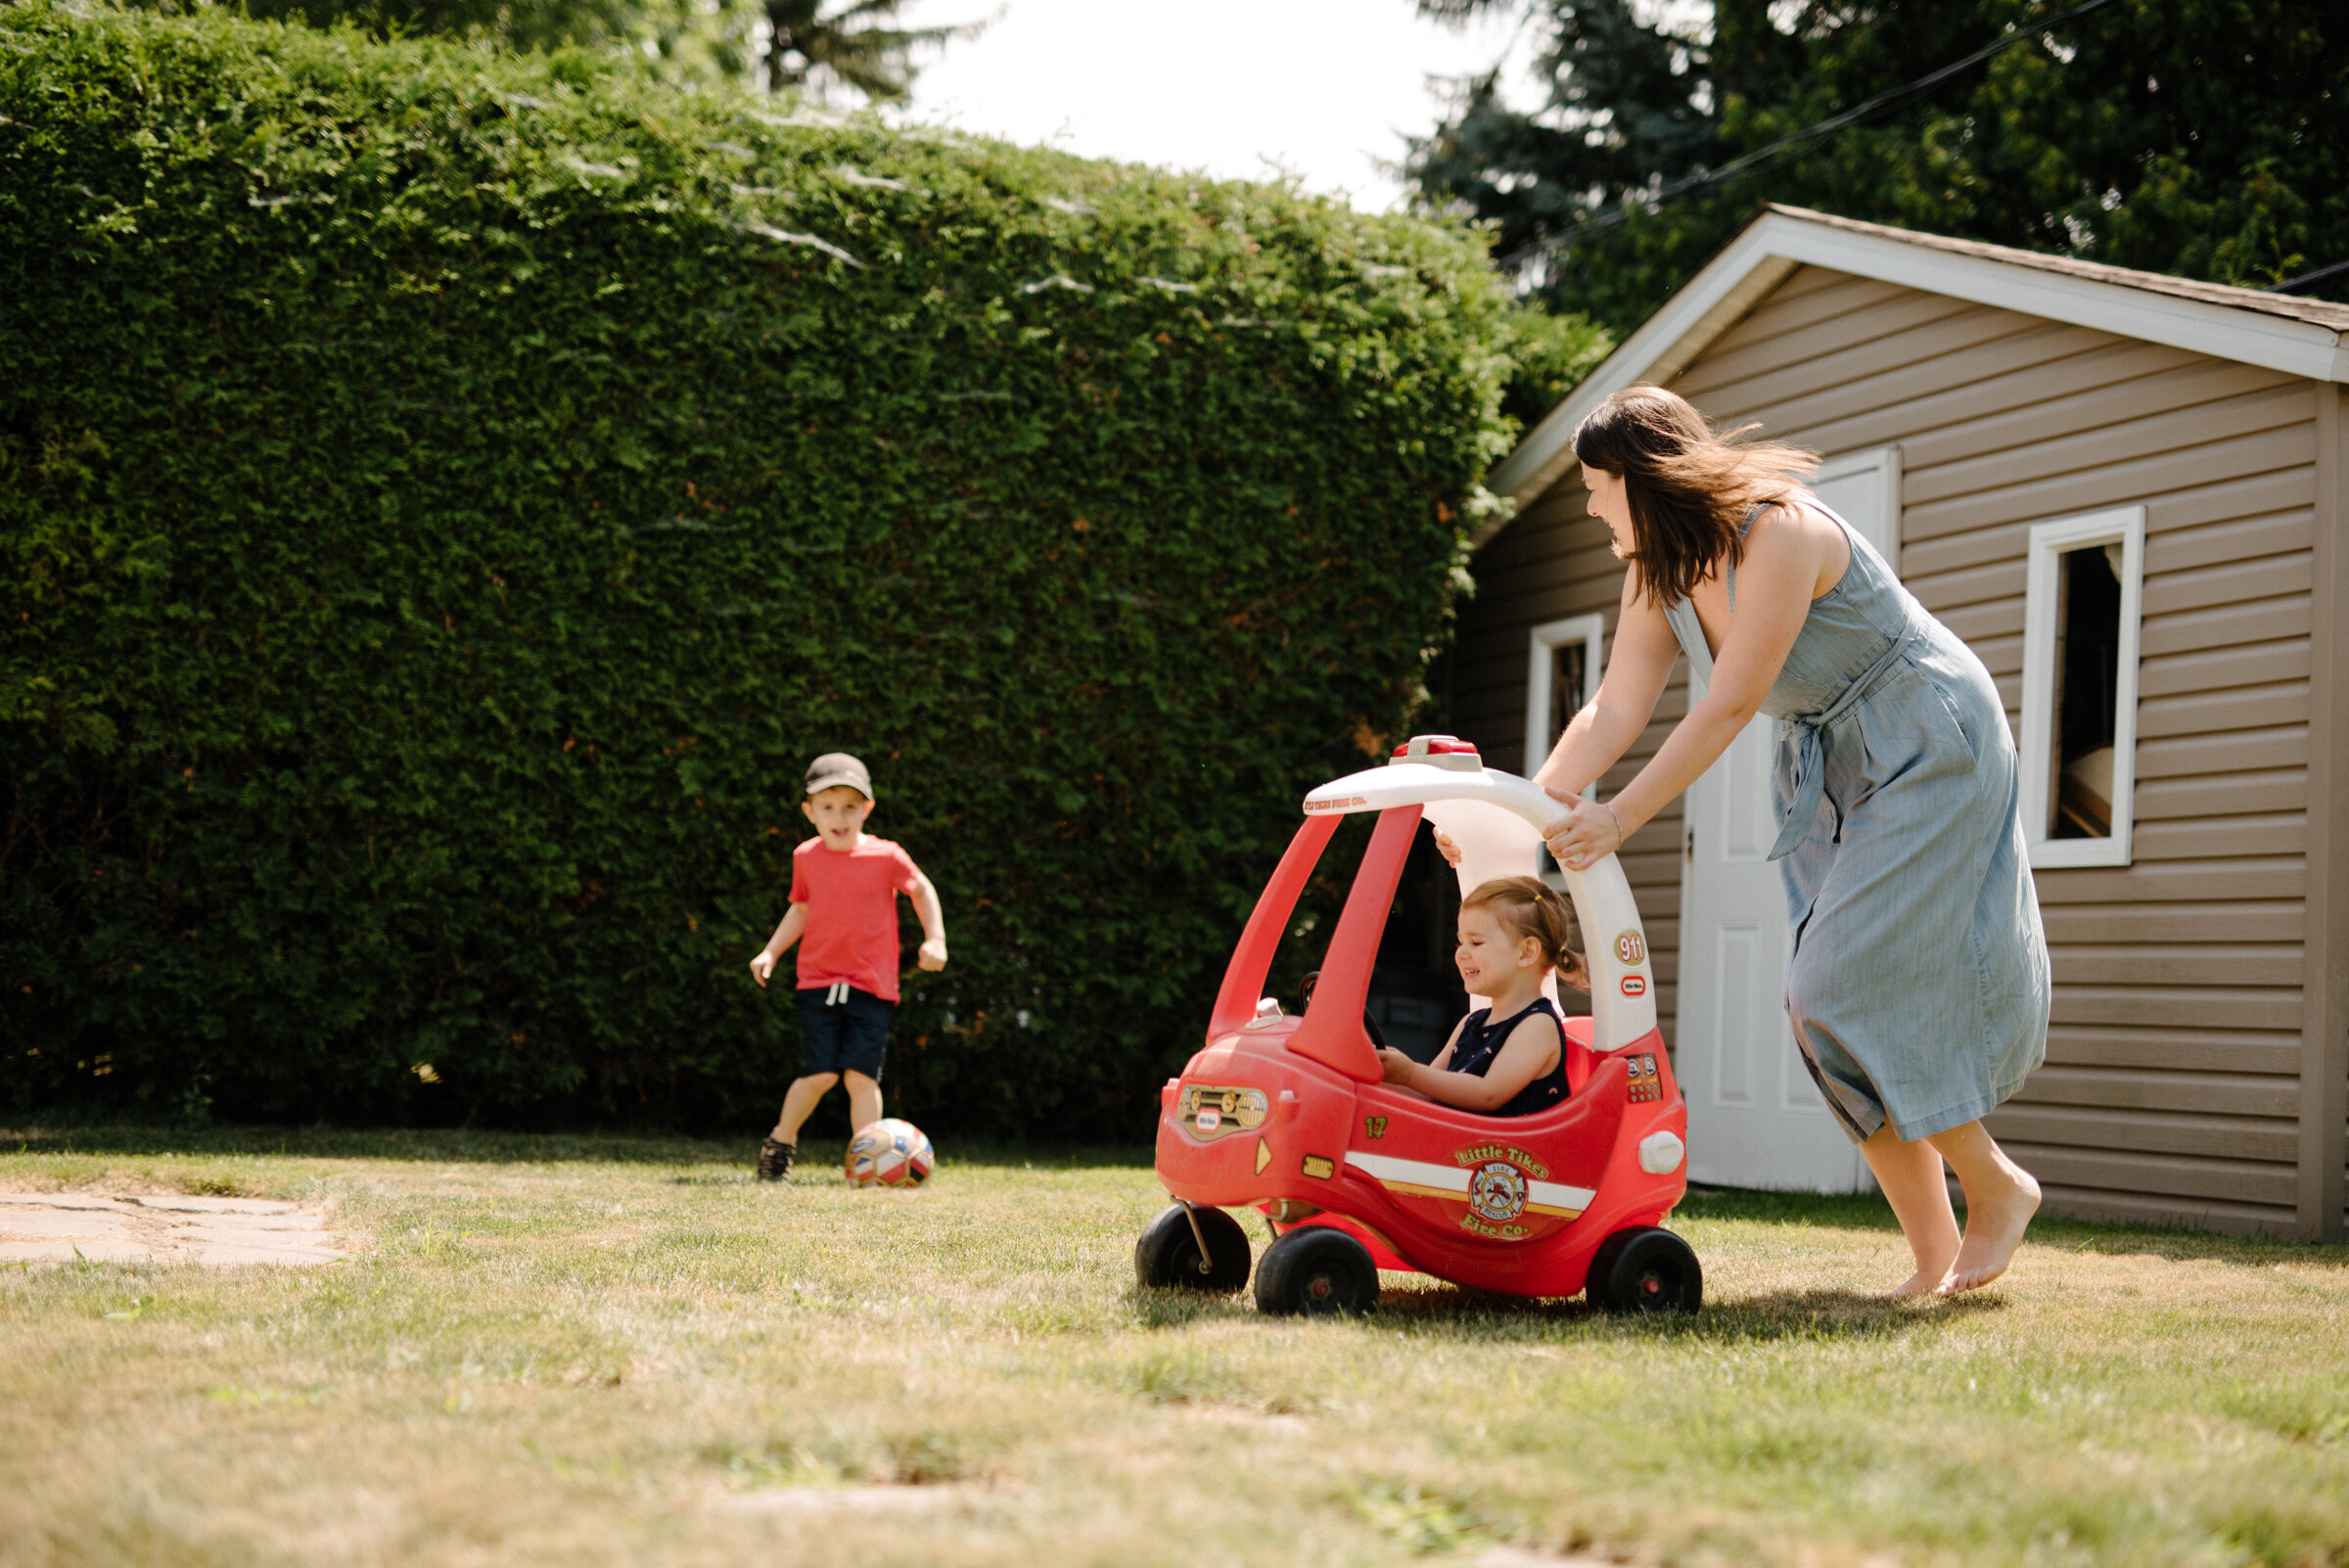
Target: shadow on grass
(435,1145)
(1436,1311)
(1868,1211)
(1777,1314)
(469,1145)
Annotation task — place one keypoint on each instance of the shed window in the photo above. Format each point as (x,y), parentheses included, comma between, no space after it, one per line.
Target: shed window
(1561,675)
(2079,742)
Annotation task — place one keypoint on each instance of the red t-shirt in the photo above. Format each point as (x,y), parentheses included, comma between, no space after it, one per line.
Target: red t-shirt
(851,902)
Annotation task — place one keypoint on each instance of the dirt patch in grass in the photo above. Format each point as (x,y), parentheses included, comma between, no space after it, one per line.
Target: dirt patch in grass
(86,1226)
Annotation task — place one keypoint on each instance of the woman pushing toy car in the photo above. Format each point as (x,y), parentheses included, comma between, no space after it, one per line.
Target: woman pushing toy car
(1919,983)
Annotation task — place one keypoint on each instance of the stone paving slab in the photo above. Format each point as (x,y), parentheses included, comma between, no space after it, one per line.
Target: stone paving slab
(183,1205)
(89,1248)
(62,1222)
(164,1228)
(62,1200)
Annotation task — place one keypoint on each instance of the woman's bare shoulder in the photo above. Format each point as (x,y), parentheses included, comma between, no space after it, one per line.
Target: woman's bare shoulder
(1800,516)
(1799,533)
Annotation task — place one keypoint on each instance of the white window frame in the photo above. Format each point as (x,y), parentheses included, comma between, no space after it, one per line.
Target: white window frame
(1542,643)
(2124,525)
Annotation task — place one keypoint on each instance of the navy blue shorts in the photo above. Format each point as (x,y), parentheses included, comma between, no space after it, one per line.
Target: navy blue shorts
(846,1036)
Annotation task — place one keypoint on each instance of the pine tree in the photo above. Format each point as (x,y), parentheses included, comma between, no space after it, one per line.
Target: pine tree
(2207,138)
(808,45)
(851,45)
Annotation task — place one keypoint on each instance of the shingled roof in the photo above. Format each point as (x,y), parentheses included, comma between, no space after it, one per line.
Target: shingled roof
(2300,337)
(2321,312)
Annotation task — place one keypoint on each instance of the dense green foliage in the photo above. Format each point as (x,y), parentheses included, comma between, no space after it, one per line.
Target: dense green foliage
(2207,138)
(778,44)
(448,499)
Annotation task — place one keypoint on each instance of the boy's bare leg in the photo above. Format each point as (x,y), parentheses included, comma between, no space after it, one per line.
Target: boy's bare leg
(1911,1176)
(2001,1197)
(865,1101)
(799,1103)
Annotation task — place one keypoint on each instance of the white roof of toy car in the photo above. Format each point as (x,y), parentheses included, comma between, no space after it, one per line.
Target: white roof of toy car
(1498,820)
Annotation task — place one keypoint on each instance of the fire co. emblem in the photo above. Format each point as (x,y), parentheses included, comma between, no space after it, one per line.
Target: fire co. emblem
(1629,948)
(1497,1192)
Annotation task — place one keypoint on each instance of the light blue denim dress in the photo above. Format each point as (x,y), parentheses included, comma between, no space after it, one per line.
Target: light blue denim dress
(1919,985)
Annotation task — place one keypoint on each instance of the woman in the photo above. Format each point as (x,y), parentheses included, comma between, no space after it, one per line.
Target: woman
(1918,983)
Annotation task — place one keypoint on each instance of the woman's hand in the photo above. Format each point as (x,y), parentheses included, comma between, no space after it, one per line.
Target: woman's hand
(1589,833)
(1394,1065)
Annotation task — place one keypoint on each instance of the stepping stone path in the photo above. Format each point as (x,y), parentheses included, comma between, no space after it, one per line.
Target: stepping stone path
(164,1228)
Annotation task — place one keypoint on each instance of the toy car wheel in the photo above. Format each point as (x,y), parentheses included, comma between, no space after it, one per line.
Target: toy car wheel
(1316,1270)
(1644,1269)
(1166,1257)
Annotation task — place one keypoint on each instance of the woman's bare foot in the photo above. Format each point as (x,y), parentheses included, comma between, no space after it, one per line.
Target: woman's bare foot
(1995,1222)
(1920,1283)
(1909,1177)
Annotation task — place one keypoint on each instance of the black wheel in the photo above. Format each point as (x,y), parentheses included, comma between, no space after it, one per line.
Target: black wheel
(1168,1253)
(1316,1270)
(1645,1270)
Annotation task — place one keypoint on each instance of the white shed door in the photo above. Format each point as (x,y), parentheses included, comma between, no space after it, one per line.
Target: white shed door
(1755,1118)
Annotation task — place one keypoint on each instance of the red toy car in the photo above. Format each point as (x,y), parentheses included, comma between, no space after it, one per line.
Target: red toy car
(1291,1115)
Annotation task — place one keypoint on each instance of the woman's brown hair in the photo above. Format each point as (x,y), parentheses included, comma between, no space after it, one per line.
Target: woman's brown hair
(1527,906)
(1689,487)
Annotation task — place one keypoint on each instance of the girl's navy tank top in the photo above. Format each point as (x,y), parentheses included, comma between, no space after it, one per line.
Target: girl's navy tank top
(1480,1041)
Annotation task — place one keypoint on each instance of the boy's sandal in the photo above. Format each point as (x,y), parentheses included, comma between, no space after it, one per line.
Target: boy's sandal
(774,1161)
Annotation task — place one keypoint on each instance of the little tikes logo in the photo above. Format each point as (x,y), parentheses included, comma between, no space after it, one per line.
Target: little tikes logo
(1634,986)
(1480,1153)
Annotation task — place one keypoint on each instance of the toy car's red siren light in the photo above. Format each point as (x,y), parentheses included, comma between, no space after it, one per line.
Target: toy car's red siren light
(1443,751)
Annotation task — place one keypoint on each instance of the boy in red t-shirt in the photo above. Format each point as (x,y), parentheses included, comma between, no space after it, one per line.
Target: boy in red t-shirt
(844,902)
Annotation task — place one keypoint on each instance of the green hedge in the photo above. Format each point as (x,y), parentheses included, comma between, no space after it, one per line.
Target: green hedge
(450,496)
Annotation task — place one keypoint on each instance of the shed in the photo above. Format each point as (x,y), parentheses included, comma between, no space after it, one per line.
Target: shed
(2125,492)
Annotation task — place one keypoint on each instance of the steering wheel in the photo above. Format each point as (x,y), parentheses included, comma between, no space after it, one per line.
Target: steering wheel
(1305,1002)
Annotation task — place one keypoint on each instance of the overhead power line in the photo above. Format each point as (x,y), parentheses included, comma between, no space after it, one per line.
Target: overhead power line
(2309,282)
(1884,103)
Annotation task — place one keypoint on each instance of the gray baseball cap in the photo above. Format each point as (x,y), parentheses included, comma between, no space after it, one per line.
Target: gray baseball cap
(839,768)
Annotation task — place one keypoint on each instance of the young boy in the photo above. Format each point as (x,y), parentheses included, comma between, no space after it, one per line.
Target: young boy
(843,904)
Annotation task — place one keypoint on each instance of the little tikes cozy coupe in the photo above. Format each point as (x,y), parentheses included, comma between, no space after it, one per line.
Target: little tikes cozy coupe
(1291,1115)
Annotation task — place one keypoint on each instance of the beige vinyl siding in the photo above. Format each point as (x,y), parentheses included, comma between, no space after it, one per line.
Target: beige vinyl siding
(2172,1087)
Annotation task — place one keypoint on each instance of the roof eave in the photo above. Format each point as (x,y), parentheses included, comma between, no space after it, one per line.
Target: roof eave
(1775,244)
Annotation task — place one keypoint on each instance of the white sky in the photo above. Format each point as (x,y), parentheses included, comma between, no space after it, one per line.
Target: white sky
(1324,89)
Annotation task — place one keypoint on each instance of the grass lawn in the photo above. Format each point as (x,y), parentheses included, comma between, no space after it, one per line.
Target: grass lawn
(585,1351)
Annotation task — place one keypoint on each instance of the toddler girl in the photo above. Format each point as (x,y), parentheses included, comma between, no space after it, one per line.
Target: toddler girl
(1508,1059)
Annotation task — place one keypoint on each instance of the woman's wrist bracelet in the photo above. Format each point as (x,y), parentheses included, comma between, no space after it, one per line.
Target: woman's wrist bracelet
(1621,838)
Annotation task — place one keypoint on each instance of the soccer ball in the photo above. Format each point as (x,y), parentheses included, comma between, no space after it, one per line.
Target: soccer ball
(888,1153)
